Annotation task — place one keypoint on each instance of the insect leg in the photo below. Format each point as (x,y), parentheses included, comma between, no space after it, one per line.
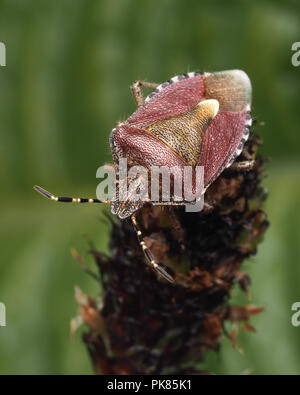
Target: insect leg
(64,199)
(147,252)
(244,165)
(137,91)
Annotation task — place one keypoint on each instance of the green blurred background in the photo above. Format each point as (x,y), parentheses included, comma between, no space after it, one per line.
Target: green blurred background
(66,84)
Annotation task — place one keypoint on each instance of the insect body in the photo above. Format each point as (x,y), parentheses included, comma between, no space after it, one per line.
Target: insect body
(194,119)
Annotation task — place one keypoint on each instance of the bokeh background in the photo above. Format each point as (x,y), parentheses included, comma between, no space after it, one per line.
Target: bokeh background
(66,84)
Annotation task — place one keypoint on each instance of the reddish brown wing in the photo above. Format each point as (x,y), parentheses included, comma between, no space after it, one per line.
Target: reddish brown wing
(174,97)
(222,139)
(225,136)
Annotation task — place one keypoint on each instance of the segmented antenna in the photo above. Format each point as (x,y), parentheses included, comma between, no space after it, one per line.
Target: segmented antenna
(65,199)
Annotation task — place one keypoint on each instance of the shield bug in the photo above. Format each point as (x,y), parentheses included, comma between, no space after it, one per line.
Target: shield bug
(194,119)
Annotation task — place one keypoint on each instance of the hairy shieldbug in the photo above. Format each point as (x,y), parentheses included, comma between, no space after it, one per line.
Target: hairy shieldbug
(196,119)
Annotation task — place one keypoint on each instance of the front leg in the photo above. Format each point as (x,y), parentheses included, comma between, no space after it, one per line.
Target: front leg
(148,255)
(137,91)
